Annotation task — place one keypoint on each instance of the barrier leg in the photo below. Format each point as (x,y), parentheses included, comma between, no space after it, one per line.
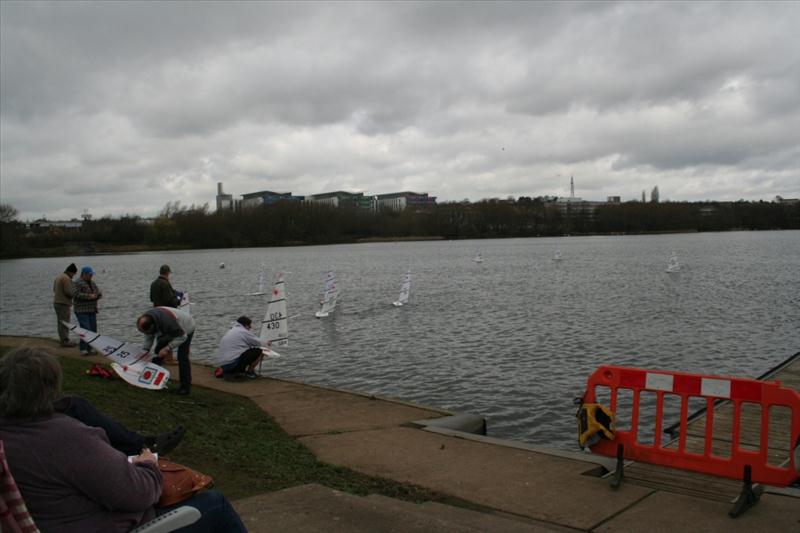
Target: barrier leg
(619,473)
(748,497)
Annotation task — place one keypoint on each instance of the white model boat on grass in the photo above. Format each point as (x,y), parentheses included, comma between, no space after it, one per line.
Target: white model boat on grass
(128,360)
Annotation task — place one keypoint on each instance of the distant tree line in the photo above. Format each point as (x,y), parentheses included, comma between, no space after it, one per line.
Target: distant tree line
(296,223)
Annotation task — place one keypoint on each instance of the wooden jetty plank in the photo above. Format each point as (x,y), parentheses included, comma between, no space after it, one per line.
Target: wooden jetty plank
(682,482)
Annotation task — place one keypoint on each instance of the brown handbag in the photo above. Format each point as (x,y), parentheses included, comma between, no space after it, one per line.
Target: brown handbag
(180,482)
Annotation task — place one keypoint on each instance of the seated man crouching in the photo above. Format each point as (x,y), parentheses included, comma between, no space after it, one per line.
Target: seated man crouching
(240,351)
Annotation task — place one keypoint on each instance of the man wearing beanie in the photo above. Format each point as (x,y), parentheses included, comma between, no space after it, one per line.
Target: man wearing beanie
(161,292)
(62,302)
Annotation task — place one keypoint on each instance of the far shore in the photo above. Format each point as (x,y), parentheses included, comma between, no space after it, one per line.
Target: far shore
(94,249)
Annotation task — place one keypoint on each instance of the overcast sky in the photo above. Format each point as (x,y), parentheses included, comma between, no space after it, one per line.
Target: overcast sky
(118,107)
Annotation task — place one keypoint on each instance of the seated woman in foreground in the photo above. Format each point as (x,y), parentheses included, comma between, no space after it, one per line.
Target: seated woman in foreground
(68,474)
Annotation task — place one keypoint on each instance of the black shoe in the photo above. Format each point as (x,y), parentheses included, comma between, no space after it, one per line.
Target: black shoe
(251,375)
(166,442)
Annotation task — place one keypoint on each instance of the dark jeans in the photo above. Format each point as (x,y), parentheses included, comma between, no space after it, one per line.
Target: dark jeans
(241,364)
(87,321)
(184,366)
(217,514)
(122,439)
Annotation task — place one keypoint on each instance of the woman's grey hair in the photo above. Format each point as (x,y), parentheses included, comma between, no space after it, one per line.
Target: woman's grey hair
(30,381)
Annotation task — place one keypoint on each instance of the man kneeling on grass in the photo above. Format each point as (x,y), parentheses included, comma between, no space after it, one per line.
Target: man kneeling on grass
(240,351)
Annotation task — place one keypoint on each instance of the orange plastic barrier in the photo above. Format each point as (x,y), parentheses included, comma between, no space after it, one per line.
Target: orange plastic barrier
(711,388)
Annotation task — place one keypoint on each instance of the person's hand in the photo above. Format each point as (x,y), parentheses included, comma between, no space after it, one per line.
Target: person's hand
(164,352)
(146,456)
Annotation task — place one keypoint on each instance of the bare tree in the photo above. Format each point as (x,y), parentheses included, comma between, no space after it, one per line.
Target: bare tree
(8,213)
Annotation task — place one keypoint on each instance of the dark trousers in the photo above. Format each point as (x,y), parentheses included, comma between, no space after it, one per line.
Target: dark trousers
(217,514)
(62,313)
(241,364)
(87,321)
(121,438)
(184,366)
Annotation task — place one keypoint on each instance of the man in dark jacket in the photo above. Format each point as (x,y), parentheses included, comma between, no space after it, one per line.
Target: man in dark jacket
(161,292)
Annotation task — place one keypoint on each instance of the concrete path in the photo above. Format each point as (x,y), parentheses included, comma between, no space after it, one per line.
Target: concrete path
(522,487)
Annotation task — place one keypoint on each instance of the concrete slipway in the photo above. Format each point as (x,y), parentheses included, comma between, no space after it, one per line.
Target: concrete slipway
(520,487)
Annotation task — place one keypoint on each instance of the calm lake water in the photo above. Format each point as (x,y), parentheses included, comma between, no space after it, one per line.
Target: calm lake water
(512,338)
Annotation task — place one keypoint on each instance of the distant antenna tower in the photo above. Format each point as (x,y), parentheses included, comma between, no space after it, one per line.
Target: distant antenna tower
(86,215)
(571,187)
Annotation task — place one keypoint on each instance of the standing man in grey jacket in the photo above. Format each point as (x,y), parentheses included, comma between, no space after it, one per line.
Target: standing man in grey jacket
(62,303)
(170,329)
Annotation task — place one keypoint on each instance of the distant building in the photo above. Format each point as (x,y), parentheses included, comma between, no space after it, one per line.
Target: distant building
(788,201)
(342,199)
(255,199)
(613,200)
(225,202)
(43,225)
(398,201)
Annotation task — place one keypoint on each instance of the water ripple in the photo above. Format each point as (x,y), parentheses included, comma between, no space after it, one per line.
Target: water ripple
(513,338)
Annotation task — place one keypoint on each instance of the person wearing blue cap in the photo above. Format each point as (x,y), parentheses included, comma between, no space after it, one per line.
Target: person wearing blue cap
(84,300)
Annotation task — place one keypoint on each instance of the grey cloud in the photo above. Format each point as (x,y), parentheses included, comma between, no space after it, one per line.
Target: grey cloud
(478,99)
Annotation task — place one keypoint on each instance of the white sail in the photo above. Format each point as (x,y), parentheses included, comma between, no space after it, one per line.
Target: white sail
(262,277)
(478,258)
(329,297)
(128,359)
(185,304)
(672,263)
(405,289)
(275,326)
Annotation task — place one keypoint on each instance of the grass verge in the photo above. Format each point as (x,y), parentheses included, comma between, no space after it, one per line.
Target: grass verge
(229,438)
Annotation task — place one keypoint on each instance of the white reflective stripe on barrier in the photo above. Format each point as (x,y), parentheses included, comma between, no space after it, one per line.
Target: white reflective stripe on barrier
(658,381)
(719,388)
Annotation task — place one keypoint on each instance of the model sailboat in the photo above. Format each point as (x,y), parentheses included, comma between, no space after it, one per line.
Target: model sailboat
(405,289)
(184,304)
(672,263)
(127,359)
(275,326)
(329,296)
(478,258)
(262,277)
